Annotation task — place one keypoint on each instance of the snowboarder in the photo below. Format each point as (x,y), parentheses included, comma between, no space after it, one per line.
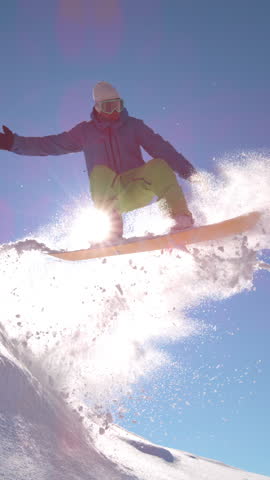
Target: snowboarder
(120,180)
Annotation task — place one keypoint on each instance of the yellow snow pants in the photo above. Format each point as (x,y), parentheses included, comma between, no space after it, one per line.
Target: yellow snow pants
(136,188)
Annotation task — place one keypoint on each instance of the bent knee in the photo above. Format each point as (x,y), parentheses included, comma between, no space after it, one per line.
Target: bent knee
(158,163)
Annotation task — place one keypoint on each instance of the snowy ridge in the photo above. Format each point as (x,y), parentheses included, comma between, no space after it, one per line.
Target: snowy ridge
(42,438)
(25,245)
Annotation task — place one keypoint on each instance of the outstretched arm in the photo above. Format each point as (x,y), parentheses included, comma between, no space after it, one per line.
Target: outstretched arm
(66,142)
(157,147)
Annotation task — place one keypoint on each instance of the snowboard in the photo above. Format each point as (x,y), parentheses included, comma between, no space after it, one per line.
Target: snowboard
(233,226)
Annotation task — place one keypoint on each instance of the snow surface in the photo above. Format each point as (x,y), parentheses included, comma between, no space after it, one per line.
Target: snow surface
(42,438)
(76,337)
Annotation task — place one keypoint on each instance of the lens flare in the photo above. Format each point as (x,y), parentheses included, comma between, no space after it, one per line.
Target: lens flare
(91,225)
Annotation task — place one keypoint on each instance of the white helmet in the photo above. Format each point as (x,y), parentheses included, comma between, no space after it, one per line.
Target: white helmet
(104,91)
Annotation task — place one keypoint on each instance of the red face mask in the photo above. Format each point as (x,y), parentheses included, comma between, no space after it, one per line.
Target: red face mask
(109,116)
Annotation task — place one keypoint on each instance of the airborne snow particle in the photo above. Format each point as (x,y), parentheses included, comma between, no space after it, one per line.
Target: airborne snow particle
(119,288)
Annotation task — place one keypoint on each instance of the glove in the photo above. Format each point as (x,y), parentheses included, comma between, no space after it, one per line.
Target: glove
(197,177)
(6,139)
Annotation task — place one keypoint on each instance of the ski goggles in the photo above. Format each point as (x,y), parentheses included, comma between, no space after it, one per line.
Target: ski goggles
(110,106)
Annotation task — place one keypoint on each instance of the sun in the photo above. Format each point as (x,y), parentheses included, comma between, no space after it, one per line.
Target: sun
(90,225)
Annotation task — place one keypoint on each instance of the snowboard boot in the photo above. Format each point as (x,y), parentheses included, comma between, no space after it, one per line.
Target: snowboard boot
(182,222)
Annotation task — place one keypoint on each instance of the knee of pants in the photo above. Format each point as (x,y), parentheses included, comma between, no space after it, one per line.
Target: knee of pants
(159,167)
(159,163)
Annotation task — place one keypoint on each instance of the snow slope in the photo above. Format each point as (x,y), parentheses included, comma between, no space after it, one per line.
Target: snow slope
(41,438)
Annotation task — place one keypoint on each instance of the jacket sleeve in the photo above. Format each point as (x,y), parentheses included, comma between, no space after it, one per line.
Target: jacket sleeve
(66,142)
(157,147)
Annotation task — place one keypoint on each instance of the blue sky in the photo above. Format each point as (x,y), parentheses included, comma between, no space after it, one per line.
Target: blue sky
(198,73)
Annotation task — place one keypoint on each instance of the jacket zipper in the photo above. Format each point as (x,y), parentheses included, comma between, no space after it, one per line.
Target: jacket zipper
(113,156)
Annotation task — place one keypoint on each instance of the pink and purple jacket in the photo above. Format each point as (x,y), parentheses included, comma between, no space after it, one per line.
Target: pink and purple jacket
(114,144)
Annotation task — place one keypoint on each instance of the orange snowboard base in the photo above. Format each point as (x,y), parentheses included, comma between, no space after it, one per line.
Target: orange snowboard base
(204,233)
